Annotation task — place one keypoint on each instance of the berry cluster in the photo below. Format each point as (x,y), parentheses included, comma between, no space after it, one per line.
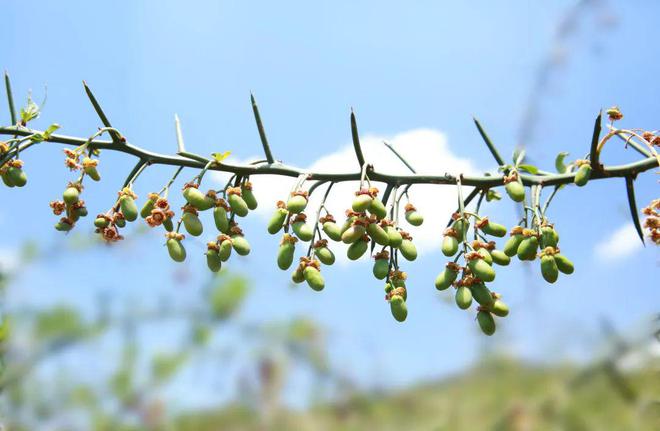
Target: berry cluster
(652,221)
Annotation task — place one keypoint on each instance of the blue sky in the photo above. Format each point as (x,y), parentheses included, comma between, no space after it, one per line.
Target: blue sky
(422,65)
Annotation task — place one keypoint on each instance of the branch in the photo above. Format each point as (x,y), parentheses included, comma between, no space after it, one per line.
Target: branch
(404,161)
(489,143)
(262,132)
(10,99)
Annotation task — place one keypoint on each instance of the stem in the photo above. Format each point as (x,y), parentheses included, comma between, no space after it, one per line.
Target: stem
(262,132)
(137,170)
(166,187)
(489,143)
(404,161)
(318,216)
(356,140)
(10,99)
(116,137)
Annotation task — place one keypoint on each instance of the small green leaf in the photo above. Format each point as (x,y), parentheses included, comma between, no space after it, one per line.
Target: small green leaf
(219,157)
(504,168)
(529,168)
(559,162)
(30,111)
(50,130)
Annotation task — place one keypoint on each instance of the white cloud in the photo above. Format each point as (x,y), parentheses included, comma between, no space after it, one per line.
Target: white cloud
(622,243)
(425,149)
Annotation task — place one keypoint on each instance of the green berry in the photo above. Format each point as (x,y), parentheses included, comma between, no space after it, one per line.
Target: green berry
(482,294)
(276,222)
(398,308)
(314,278)
(486,322)
(297,276)
(515,190)
(395,236)
(224,251)
(582,175)
(494,229)
(285,255)
(446,278)
(527,248)
(564,264)
(168,224)
(176,250)
(90,169)
(303,231)
(101,222)
(449,245)
(361,202)
(499,308)
(324,255)
(511,245)
(482,270)
(408,250)
(500,258)
(353,234)
(248,196)
(17,175)
(213,260)
(549,237)
(6,178)
(381,268)
(147,207)
(333,230)
(296,204)
(549,268)
(463,297)
(485,255)
(378,234)
(237,205)
(241,245)
(128,208)
(378,209)
(192,223)
(63,225)
(414,218)
(195,197)
(461,227)
(71,195)
(221,219)
(357,249)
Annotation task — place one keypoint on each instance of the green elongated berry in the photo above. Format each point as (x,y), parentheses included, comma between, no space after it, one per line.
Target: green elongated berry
(413,216)
(463,297)
(220,217)
(378,209)
(486,322)
(240,244)
(500,258)
(357,249)
(192,223)
(4,174)
(119,220)
(224,248)
(128,208)
(549,237)
(515,190)
(378,234)
(485,255)
(176,250)
(71,195)
(148,206)
(549,268)
(302,230)
(499,308)
(449,244)
(511,245)
(168,224)
(324,255)
(237,204)
(481,269)
(353,233)
(285,254)
(248,195)
(582,175)
(460,227)
(395,236)
(388,287)
(195,197)
(297,203)
(297,276)
(333,230)
(564,264)
(527,248)
(398,308)
(101,222)
(89,167)
(490,228)
(213,260)
(314,278)
(362,201)
(408,250)
(482,294)
(17,175)
(64,225)
(447,276)
(381,265)
(277,220)
(348,223)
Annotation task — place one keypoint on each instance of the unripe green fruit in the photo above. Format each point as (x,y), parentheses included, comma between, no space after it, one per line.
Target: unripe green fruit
(213,260)
(511,245)
(449,245)
(482,294)
(296,204)
(276,222)
(395,236)
(81,212)
(303,231)
(414,218)
(224,251)
(398,308)
(515,190)
(388,287)
(325,255)
(461,227)
(485,255)
(168,224)
(494,229)
(249,198)
(378,234)
(527,248)
(221,220)
(486,321)
(500,258)
(176,250)
(146,208)
(564,264)
(195,197)
(192,224)
(463,297)
(445,279)
(128,208)
(70,195)
(238,205)
(549,237)
(297,276)
(91,171)
(17,175)
(353,234)
(378,209)
(7,179)
(482,270)
(398,282)
(285,255)
(333,230)
(381,268)
(582,175)
(63,226)
(357,249)
(314,278)
(347,224)
(101,222)
(499,308)
(241,245)
(361,203)
(120,222)
(408,250)
(549,269)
